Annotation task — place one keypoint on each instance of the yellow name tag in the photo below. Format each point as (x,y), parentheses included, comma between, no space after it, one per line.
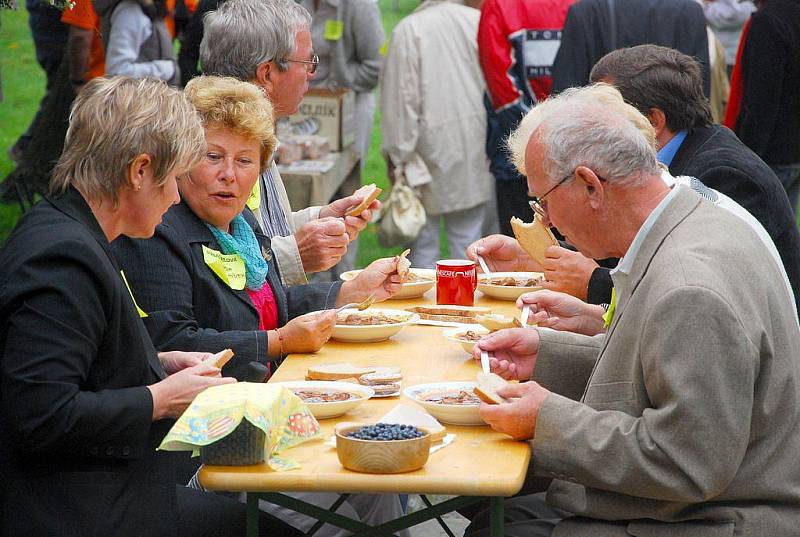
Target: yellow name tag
(254,201)
(141,312)
(609,315)
(229,268)
(333,30)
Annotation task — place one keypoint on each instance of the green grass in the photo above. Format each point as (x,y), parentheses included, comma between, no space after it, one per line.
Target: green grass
(23,87)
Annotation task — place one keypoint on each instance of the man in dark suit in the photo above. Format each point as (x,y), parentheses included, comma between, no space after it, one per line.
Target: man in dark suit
(596,27)
(665,85)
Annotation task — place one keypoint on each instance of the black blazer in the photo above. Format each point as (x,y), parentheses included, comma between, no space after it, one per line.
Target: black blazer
(715,155)
(189,308)
(77,453)
(589,34)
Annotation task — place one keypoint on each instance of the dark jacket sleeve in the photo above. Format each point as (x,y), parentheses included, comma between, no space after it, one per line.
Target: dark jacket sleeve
(59,303)
(189,56)
(763,64)
(311,297)
(161,272)
(600,285)
(574,59)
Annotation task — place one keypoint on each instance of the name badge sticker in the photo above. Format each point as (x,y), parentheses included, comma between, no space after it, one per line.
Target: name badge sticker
(333,30)
(229,268)
(254,201)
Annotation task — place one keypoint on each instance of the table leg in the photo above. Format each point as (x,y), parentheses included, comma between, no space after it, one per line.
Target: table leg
(252,514)
(497,522)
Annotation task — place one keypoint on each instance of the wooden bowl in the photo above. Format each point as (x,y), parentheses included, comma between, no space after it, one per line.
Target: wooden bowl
(381,456)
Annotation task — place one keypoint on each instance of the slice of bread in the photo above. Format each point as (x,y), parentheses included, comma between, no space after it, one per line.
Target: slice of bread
(405,414)
(534,238)
(370,193)
(496,322)
(380,377)
(453,311)
(337,371)
(403,265)
(486,387)
(222,357)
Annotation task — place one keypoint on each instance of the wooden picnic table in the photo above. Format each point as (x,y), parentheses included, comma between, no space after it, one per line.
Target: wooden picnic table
(479,463)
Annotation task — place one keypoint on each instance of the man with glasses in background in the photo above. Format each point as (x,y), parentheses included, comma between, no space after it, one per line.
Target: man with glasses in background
(268,43)
(682,418)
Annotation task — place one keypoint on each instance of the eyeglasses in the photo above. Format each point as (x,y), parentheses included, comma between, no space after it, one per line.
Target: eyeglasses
(311,65)
(536,203)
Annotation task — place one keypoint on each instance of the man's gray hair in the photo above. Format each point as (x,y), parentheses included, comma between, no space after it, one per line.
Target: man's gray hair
(592,127)
(243,34)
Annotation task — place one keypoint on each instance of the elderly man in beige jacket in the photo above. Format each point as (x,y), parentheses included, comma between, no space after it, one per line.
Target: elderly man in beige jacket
(683,418)
(434,122)
(268,43)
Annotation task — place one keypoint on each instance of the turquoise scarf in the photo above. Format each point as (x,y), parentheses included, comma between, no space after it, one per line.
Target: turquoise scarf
(242,242)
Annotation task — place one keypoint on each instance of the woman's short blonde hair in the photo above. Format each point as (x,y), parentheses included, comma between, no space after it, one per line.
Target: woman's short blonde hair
(113,121)
(241,107)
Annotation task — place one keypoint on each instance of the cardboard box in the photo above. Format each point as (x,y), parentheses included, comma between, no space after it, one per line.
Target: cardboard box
(335,112)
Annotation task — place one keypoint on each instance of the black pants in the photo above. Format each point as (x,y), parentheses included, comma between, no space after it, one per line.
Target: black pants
(205,514)
(525,516)
(512,200)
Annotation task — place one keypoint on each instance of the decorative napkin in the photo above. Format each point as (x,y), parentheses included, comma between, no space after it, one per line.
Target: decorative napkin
(217,411)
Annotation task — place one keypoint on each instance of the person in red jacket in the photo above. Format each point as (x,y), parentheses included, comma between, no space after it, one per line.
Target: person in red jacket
(517,43)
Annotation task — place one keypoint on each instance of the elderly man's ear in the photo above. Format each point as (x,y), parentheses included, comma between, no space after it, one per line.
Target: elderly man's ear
(592,186)
(263,76)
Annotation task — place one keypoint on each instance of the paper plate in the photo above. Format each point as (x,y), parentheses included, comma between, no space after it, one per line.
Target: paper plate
(334,408)
(506,292)
(372,333)
(452,414)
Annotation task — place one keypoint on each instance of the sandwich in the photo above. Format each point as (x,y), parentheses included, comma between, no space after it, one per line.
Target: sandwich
(403,265)
(534,238)
(221,358)
(486,387)
(384,382)
(453,314)
(370,193)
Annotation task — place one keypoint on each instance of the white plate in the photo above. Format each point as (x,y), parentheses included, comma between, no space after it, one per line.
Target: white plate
(409,290)
(372,333)
(466,345)
(452,414)
(336,408)
(505,292)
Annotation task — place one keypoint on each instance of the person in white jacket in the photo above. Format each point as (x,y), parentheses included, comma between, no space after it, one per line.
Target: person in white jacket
(434,122)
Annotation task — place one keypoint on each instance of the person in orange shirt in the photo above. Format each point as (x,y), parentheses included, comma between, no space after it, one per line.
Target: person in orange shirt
(84,46)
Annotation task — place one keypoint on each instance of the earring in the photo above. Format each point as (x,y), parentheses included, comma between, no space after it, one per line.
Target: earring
(138,187)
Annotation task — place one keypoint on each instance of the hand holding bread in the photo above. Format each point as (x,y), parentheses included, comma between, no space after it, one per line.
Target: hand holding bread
(503,254)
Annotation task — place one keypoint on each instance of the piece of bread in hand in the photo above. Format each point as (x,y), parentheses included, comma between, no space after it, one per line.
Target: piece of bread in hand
(486,387)
(403,265)
(497,322)
(534,238)
(222,357)
(337,371)
(370,193)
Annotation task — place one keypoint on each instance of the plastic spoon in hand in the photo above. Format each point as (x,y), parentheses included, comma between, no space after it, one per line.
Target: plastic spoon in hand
(485,361)
(484,266)
(360,306)
(523,319)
